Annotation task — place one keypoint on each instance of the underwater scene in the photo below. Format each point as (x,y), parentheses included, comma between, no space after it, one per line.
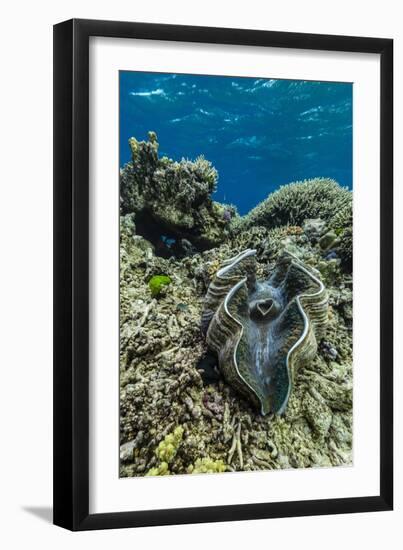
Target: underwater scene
(236,298)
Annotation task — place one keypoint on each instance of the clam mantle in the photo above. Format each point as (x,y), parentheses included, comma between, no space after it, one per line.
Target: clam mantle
(264,330)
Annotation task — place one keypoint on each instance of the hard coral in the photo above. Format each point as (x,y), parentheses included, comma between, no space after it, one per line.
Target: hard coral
(168,447)
(342,223)
(292,204)
(207,466)
(166,452)
(171,198)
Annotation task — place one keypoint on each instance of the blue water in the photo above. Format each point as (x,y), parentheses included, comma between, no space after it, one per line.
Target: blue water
(258,133)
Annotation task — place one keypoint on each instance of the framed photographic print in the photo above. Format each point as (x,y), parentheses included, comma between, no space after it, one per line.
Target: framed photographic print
(222,274)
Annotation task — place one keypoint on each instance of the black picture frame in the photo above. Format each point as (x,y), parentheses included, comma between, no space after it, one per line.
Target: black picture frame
(71,274)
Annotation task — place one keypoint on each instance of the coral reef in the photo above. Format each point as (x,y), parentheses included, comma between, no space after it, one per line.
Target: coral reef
(296,203)
(178,414)
(172,200)
(321,205)
(342,222)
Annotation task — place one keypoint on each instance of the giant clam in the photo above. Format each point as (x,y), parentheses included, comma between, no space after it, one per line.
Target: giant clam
(263,330)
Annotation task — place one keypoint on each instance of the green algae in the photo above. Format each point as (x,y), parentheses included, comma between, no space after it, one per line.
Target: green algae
(157,282)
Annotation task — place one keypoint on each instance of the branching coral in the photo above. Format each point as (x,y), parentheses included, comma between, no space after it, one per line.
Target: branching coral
(294,203)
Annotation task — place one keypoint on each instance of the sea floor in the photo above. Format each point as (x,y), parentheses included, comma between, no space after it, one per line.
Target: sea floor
(177,413)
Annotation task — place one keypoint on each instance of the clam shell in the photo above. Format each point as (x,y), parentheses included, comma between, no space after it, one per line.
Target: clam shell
(230,272)
(263,331)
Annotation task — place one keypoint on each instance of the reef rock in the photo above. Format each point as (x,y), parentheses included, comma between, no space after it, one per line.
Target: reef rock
(263,330)
(172,200)
(314,229)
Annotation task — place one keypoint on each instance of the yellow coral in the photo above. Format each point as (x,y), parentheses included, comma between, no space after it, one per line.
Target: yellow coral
(166,452)
(161,470)
(207,465)
(293,230)
(168,447)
